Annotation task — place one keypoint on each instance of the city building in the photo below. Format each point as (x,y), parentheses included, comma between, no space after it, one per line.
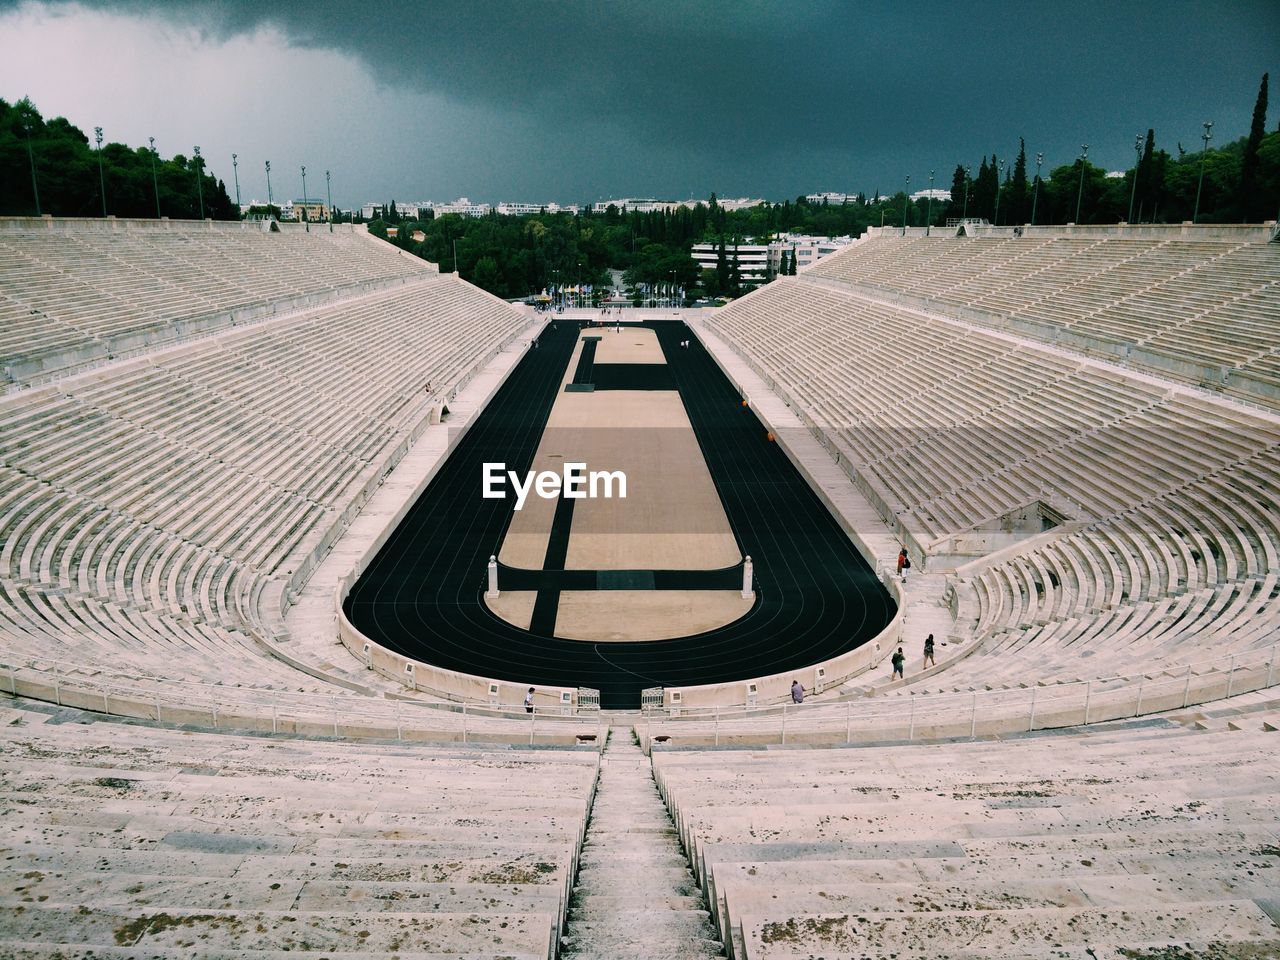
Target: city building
(405,208)
(830,198)
(752,258)
(514,209)
(312,210)
(807,250)
(463,207)
(637,205)
(936,193)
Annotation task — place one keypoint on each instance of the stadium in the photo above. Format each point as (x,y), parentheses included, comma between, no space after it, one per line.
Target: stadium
(279,677)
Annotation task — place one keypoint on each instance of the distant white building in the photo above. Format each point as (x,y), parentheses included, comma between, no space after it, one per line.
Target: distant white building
(831,198)
(637,205)
(405,208)
(807,250)
(752,258)
(649,205)
(514,209)
(463,207)
(936,193)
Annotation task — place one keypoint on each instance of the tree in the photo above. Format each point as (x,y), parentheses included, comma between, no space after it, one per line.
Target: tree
(487,276)
(66,173)
(1250,201)
(959,182)
(1016,197)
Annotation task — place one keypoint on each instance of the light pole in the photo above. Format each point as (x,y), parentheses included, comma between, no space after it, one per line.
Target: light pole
(928,217)
(906,198)
(1084,159)
(35,188)
(967,171)
(1206,137)
(1035,192)
(235,170)
(269,204)
(304,198)
(999,184)
(102,180)
(199,185)
(1137,162)
(328,192)
(155,180)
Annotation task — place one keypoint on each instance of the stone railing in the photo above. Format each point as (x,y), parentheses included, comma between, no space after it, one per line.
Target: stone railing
(983,713)
(340,714)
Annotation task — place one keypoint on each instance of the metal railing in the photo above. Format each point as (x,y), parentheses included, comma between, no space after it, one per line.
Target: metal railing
(339,714)
(1039,706)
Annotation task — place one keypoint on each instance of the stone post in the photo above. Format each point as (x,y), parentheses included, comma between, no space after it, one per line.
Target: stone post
(748,572)
(492,592)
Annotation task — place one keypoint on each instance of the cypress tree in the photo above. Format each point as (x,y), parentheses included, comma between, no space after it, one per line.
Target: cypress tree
(1017,196)
(957,192)
(1250,207)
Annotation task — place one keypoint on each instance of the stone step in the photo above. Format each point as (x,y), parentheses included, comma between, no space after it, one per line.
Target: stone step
(983,934)
(688,949)
(633,927)
(187,951)
(266,893)
(524,869)
(593,906)
(263,930)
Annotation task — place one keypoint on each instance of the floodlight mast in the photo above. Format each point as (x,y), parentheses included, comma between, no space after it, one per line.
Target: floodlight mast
(1035,192)
(1206,137)
(102,180)
(928,218)
(155,181)
(328,192)
(28,127)
(1137,162)
(906,199)
(199,181)
(999,184)
(1084,159)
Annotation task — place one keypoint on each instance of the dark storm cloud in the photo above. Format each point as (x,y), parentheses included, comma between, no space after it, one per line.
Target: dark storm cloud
(769,95)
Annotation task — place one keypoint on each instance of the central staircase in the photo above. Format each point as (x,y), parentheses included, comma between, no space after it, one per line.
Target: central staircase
(635,898)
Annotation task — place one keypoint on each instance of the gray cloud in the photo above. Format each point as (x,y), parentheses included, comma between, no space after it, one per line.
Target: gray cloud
(777,98)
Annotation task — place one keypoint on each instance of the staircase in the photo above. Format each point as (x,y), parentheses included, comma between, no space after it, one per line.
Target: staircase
(635,898)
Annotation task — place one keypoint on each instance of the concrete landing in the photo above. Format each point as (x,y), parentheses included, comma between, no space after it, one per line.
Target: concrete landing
(635,898)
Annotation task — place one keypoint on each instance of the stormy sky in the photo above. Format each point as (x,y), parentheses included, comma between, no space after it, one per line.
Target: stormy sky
(574,100)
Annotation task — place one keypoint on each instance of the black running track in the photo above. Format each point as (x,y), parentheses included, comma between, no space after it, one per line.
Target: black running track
(423,593)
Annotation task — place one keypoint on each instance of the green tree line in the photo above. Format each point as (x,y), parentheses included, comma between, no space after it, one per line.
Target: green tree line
(67,181)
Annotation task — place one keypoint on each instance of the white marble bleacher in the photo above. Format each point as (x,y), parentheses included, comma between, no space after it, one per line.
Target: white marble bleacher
(153,511)
(1200,310)
(118,840)
(1174,561)
(80,296)
(1099,844)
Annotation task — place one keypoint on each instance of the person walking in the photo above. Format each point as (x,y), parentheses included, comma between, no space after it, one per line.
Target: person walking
(928,651)
(904,564)
(797,691)
(528,701)
(899,660)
